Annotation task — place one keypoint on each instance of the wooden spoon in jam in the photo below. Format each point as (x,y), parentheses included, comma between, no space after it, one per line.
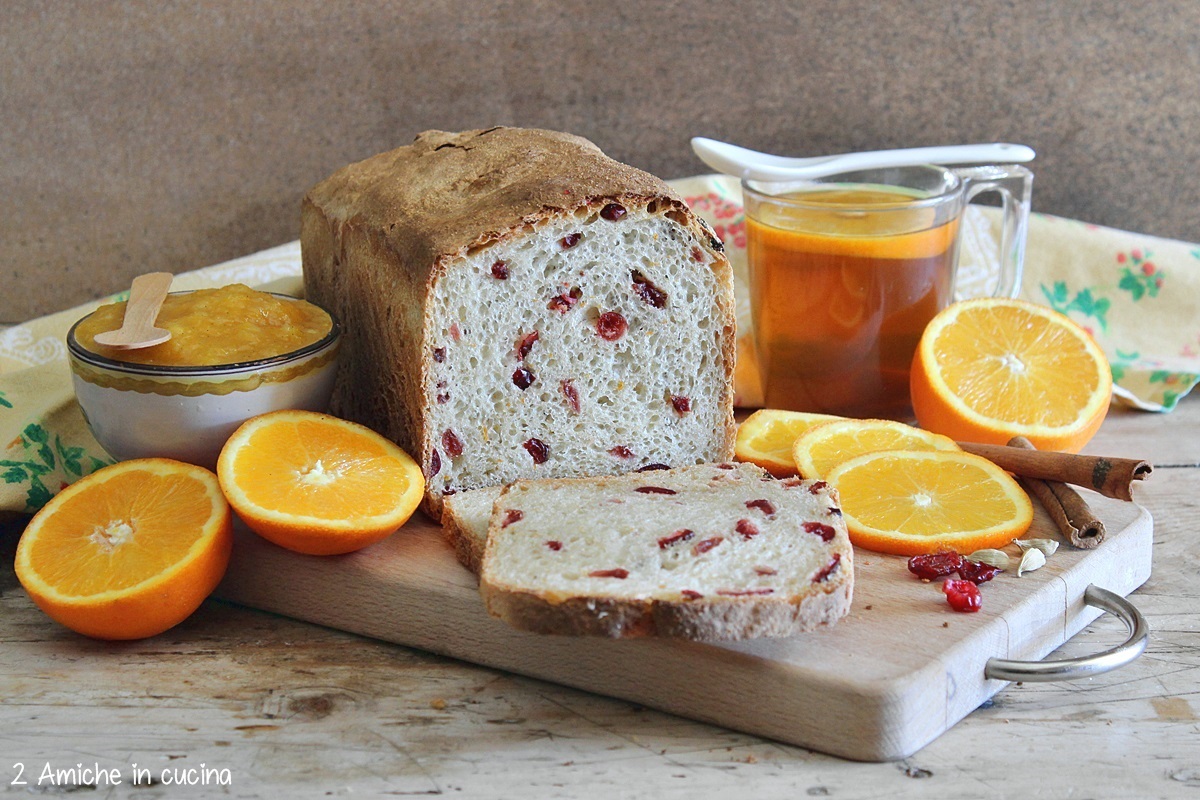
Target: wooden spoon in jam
(137,330)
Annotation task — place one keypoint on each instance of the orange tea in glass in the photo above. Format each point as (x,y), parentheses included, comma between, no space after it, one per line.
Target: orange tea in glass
(846,271)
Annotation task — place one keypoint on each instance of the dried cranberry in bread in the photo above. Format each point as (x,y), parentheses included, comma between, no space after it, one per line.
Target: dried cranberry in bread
(516,304)
(705,552)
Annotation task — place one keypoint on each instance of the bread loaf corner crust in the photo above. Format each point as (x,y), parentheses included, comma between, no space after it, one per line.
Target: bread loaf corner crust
(467,549)
(334,256)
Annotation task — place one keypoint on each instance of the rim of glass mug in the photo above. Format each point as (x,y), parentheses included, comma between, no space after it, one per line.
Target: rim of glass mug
(940,185)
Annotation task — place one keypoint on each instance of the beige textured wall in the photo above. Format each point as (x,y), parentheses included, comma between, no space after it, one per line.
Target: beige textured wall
(162,135)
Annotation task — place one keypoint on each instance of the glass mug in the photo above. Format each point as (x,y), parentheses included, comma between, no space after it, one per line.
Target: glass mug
(847,270)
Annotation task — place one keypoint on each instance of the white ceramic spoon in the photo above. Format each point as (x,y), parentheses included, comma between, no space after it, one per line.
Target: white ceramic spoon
(137,330)
(743,163)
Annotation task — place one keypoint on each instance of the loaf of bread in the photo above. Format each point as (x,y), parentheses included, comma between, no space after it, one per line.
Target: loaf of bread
(708,552)
(518,305)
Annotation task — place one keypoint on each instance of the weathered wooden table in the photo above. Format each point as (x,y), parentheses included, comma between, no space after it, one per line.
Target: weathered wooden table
(255,705)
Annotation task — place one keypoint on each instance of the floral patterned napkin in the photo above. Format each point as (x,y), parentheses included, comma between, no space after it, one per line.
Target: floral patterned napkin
(1138,295)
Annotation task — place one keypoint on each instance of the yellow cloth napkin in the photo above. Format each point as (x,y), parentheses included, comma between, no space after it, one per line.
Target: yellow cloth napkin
(1138,295)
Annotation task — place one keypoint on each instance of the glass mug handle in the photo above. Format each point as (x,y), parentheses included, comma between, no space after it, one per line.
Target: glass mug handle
(1014,184)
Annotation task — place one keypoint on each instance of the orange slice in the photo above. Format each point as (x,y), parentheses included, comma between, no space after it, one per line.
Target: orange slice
(910,502)
(317,484)
(989,369)
(128,551)
(824,446)
(766,438)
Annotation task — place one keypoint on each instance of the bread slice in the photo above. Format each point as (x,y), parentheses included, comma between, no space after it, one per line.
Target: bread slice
(465,518)
(707,552)
(518,305)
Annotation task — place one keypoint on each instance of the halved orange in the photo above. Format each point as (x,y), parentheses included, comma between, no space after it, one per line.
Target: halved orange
(128,551)
(766,437)
(989,369)
(824,446)
(910,502)
(317,484)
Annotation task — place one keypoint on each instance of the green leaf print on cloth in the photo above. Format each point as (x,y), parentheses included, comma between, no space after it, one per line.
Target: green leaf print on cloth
(1083,302)
(48,465)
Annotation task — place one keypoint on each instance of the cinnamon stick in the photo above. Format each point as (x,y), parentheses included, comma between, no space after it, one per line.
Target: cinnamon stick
(1111,477)
(1065,506)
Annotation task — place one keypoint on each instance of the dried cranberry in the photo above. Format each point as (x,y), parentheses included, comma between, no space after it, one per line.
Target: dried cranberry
(538,450)
(826,532)
(613,212)
(439,354)
(525,344)
(655,490)
(977,572)
(690,594)
(706,545)
(652,467)
(816,486)
(500,270)
(511,516)
(744,592)
(570,240)
(828,569)
(935,565)
(792,483)
(765,506)
(554,545)
(681,404)
(569,392)
(621,451)
(443,397)
(765,571)
(677,536)
(611,326)
(455,333)
(563,302)
(747,529)
(962,595)
(725,466)
(522,378)
(648,291)
(435,464)
(452,443)
(610,573)
(697,254)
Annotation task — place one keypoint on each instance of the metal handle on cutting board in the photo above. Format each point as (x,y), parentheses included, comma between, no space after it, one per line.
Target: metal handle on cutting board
(1074,668)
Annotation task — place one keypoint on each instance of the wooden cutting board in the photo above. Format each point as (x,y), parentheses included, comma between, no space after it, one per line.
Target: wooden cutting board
(896,673)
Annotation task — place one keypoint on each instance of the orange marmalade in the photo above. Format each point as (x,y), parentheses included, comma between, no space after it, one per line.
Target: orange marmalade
(208,327)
